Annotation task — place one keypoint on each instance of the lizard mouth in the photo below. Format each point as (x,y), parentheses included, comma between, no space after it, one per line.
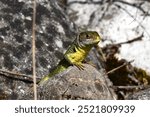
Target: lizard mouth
(89,42)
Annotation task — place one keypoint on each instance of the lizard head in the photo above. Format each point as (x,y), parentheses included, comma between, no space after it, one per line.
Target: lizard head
(88,38)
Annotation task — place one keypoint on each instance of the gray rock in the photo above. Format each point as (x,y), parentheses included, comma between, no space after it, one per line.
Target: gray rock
(75,84)
(140,95)
(54,32)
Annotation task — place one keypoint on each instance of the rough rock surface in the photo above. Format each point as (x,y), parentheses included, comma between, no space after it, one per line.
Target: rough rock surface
(140,95)
(54,32)
(75,84)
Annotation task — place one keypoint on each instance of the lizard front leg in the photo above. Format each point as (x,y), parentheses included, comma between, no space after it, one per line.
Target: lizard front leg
(74,59)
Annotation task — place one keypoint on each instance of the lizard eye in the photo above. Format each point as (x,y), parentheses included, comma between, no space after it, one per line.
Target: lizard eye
(87,36)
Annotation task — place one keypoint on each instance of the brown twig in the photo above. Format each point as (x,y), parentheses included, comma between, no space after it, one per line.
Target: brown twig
(33,50)
(139,38)
(128,87)
(115,69)
(16,75)
(100,52)
(86,2)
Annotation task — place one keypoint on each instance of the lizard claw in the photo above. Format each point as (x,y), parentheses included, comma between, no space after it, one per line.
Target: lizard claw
(92,64)
(80,66)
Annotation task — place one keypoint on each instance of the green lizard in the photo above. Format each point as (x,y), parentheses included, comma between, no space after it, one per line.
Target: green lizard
(76,52)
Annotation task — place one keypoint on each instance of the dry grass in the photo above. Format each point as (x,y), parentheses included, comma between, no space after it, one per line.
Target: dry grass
(34,50)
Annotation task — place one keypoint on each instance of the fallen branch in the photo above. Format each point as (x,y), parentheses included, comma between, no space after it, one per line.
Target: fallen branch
(139,38)
(18,76)
(128,87)
(115,69)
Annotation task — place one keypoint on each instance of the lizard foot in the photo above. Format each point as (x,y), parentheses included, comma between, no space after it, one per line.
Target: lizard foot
(92,64)
(80,66)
